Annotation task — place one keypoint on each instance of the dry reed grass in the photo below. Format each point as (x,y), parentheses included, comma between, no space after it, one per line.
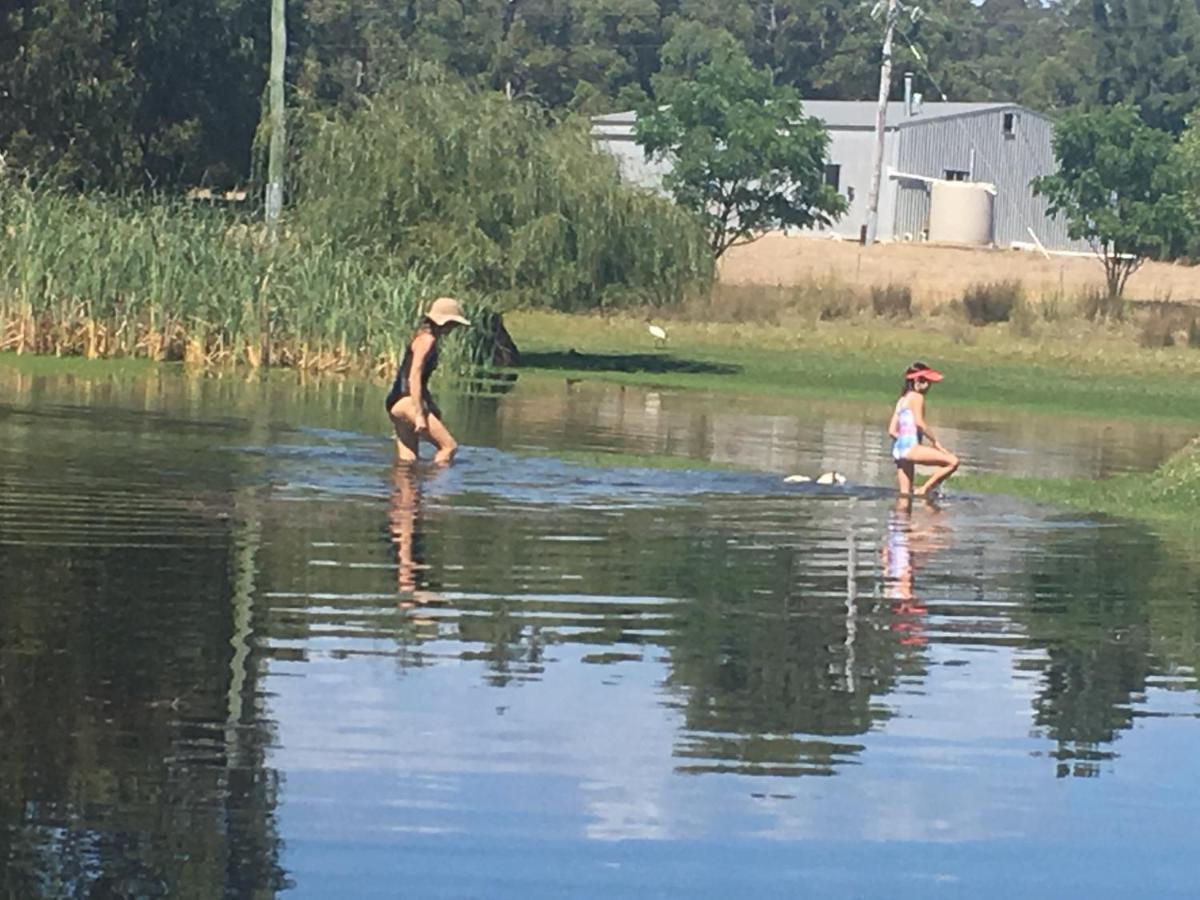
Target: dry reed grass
(938,274)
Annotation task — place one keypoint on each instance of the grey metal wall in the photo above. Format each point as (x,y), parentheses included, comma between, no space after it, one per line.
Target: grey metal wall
(1009,162)
(853,149)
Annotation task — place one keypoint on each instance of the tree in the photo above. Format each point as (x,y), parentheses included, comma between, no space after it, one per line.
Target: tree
(744,156)
(1187,153)
(142,93)
(1120,188)
(1147,54)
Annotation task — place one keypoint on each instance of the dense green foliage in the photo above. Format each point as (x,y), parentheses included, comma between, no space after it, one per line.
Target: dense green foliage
(490,198)
(117,278)
(137,93)
(1120,187)
(132,93)
(744,157)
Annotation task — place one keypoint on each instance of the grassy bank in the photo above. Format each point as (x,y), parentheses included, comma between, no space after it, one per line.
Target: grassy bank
(1078,370)
(1169,495)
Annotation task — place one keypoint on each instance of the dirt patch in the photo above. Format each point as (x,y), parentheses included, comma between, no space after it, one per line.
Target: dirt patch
(936,274)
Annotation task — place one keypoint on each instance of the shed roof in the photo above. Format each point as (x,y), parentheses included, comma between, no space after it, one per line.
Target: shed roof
(850,115)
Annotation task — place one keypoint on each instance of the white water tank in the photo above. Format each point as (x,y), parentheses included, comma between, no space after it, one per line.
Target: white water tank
(960,212)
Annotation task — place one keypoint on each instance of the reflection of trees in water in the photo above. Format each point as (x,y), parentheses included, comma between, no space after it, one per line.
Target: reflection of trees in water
(771,664)
(1093,594)
(121,773)
(774,653)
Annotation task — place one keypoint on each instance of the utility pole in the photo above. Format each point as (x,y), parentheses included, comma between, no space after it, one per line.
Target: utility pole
(885,89)
(278,145)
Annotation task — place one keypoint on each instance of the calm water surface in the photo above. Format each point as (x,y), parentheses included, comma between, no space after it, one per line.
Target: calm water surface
(241,655)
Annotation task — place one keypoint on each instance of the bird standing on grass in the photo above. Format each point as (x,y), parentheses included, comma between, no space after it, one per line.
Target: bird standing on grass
(658,333)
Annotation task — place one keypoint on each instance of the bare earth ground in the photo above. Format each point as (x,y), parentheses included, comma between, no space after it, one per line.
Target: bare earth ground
(939,273)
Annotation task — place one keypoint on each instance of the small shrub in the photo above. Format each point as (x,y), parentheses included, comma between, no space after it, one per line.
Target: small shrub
(1023,319)
(742,303)
(985,304)
(839,303)
(1193,332)
(1052,308)
(826,300)
(893,301)
(1097,305)
(960,332)
(1157,330)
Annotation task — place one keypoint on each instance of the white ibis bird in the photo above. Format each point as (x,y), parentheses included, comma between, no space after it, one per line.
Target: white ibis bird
(658,333)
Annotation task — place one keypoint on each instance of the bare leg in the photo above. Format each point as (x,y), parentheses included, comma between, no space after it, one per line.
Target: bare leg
(402,414)
(904,477)
(946,463)
(439,435)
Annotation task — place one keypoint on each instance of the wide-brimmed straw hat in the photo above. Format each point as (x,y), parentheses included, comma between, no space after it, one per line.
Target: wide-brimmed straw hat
(446,309)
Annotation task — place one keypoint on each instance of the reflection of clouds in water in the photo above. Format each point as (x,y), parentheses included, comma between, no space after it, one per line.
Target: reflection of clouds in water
(431,736)
(892,796)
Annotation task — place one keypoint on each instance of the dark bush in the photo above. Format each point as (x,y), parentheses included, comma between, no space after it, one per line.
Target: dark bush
(984,304)
(1098,305)
(1158,328)
(835,301)
(1168,324)
(893,301)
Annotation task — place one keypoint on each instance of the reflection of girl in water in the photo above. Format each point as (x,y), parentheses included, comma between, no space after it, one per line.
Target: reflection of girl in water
(413,412)
(904,544)
(908,428)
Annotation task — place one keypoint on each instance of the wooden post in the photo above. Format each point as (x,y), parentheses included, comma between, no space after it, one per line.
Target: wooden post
(278,119)
(885,90)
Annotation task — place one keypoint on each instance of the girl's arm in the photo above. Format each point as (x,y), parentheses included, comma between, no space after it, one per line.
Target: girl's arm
(918,409)
(421,346)
(893,425)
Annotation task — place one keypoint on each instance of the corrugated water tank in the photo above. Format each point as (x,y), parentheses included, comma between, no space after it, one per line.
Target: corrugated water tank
(960,212)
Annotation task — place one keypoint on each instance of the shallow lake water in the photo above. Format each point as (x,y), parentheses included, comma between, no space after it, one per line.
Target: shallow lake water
(243,655)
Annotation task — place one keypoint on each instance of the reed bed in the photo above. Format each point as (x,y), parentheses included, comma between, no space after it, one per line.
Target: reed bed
(167,281)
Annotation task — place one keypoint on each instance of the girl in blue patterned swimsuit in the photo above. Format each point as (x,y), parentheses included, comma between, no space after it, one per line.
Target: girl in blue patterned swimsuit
(908,429)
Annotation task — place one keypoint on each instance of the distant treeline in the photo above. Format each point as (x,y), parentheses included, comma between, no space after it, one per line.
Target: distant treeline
(120,94)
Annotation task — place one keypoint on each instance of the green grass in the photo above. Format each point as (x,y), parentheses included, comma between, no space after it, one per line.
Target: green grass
(1088,375)
(31,364)
(1169,495)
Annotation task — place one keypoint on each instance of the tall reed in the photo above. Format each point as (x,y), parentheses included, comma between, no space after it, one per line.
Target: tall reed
(169,281)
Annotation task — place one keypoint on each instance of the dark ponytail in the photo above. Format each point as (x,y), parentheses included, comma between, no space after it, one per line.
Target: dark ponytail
(909,381)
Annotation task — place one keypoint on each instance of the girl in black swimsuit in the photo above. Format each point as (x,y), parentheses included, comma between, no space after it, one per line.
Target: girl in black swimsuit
(409,404)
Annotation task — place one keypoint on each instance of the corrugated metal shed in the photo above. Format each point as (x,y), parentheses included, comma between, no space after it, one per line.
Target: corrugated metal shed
(1001,143)
(1007,146)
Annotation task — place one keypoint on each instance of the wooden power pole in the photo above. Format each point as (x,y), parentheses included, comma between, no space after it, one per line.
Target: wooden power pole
(885,90)
(277,148)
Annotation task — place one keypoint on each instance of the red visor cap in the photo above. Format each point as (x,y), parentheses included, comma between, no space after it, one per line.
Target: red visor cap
(926,374)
